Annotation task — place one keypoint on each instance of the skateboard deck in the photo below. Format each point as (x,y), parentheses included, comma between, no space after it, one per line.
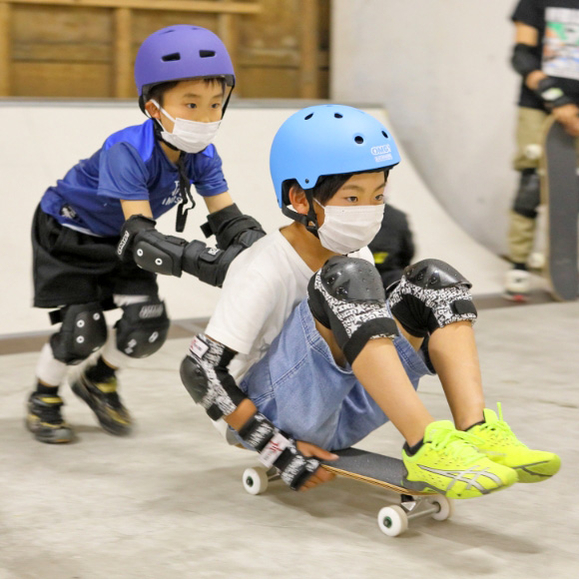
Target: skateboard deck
(376,469)
(372,468)
(560,194)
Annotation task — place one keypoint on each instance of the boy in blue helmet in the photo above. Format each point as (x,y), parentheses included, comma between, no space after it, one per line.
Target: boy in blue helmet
(305,354)
(94,237)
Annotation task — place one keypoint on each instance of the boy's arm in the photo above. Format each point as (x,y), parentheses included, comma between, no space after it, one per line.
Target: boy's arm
(527,62)
(228,224)
(205,375)
(169,255)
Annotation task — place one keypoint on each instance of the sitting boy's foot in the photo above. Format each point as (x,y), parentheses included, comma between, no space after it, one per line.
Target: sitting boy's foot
(44,419)
(105,402)
(500,444)
(448,463)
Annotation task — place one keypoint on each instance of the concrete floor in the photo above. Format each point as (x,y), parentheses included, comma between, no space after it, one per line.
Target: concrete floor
(168,501)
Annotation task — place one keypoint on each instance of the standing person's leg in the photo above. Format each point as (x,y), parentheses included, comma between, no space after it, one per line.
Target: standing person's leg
(523,216)
(64,282)
(140,332)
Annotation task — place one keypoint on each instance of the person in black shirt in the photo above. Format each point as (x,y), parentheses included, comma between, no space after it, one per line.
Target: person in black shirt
(393,246)
(546,55)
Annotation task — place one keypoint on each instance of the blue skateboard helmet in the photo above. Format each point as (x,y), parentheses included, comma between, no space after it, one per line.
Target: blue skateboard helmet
(328,140)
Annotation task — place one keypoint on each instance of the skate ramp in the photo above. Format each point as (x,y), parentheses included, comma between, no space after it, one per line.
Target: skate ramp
(44,139)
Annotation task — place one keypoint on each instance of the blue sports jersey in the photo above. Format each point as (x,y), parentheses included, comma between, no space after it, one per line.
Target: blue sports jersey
(131,166)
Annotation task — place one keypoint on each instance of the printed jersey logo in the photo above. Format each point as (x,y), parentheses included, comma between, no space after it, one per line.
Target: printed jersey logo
(561,43)
(174,197)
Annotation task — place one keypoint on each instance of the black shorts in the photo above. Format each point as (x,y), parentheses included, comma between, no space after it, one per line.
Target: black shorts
(70,267)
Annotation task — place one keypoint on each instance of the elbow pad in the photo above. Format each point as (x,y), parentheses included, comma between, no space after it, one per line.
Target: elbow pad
(525,59)
(205,376)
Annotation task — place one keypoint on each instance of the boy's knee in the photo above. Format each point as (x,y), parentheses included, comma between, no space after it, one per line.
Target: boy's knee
(347,296)
(83,331)
(431,295)
(143,328)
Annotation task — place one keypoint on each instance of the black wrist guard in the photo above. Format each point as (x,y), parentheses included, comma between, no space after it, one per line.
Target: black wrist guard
(158,253)
(131,227)
(277,450)
(229,224)
(552,94)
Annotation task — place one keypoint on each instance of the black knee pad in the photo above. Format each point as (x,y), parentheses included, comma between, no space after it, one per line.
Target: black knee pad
(83,331)
(347,296)
(143,328)
(528,195)
(431,295)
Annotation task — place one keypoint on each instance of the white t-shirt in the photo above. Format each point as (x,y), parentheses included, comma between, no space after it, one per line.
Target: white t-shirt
(262,287)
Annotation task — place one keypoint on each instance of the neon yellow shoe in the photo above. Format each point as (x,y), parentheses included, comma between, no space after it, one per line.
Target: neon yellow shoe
(500,444)
(449,463)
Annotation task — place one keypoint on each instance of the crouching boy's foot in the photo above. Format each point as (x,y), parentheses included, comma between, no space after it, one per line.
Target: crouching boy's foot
(105,402)
(44,419)
(499,443)
(448,463)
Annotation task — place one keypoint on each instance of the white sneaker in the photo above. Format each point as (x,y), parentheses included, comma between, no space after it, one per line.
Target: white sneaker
(536,260)
(517,285)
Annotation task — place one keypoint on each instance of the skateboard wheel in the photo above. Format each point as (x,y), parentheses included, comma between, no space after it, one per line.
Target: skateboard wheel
(446,508)
(255,480)
(392,521)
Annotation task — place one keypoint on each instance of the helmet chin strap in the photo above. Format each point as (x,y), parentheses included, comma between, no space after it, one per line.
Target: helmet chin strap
(309,221)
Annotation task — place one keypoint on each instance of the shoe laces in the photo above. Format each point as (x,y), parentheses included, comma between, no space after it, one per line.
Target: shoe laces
(456,443)
(500,429)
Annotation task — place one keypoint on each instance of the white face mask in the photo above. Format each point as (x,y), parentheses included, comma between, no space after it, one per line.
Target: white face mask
(188,136)
(348,229)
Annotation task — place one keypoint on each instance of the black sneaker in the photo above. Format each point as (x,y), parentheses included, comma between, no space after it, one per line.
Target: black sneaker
(45,421)
(105,402)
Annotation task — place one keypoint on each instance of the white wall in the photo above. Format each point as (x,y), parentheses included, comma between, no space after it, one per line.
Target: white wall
(441,68)
(42,140)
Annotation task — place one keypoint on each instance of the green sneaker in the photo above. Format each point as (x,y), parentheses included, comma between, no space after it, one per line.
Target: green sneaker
(105,402)
(449,463)
(500,444)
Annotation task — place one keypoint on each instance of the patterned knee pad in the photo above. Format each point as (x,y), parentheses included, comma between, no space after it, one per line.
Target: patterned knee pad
(431,295)
(347,296)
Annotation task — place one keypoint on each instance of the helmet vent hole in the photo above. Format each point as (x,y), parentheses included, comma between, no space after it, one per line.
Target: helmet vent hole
(385,134)
(338,115)
(171,57)
(206,53)
(359,139)
(308,117)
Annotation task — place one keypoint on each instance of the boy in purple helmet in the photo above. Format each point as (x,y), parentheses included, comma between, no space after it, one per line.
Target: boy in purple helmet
(94,237)
(305,354)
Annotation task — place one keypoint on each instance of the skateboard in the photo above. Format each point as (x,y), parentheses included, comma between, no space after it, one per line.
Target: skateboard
(375,469)
(560,194)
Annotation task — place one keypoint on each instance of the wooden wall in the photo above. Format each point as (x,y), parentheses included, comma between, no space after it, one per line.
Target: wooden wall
(86,48)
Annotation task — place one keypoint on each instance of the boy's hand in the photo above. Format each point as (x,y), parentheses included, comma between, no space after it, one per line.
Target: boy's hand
(131,228)
(321,475)
(568,116)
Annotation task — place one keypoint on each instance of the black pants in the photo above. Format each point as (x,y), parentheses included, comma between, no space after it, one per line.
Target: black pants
(70,267)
